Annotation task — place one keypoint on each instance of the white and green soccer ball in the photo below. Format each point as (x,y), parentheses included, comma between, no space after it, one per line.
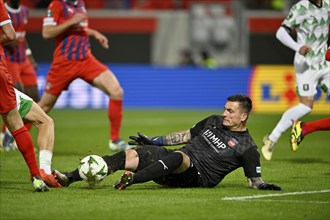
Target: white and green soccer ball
(93,168)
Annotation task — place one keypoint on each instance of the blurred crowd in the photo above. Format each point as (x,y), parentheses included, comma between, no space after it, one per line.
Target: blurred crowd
(213,27)
(129,4)
(167,4)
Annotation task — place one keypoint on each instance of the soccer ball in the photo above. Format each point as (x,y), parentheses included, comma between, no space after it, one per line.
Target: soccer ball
(93,168)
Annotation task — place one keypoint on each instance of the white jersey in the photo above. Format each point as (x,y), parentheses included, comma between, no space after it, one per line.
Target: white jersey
(311,23)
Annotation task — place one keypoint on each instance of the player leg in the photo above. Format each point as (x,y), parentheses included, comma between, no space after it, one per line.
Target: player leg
(45,124)
(99,75)
(12,119)
(318,125)
(45,140)
(123,160)
(108,83)
(46,143)
(2,135)
(306,85)
(8,142)
(288,117)
(15,125)
(25,80)
(173,162)
(47,102)
(300,129)
(25,144)
(131,160)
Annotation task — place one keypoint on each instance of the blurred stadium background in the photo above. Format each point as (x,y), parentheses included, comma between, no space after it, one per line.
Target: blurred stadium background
(147,41)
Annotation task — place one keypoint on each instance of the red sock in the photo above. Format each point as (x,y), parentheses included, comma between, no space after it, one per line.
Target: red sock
(309,127)
(28,125)
(115,114)
(3,128)
(25,145)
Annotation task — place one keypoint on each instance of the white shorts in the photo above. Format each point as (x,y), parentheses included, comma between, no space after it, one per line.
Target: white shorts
(309,80)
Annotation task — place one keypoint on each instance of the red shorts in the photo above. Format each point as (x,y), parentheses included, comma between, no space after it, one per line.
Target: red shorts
(22,72)
(63,72)
(7,93)
(327,55)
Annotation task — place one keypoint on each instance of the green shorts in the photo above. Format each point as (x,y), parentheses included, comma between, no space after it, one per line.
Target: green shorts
(25,107)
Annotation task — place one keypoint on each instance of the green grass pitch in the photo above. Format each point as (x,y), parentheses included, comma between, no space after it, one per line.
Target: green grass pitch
(304,175)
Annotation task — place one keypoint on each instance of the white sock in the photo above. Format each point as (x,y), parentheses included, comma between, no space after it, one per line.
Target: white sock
(291,115)
(45,160)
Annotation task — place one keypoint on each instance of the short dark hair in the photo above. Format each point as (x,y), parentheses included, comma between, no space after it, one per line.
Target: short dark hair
(244,101)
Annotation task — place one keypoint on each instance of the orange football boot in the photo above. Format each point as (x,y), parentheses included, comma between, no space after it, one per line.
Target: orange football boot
(49,179)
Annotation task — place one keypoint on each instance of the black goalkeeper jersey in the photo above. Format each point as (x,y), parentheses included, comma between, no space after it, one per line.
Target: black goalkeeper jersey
(217,151)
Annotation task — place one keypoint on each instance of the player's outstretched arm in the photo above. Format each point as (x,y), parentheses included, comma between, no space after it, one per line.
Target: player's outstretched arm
(258,183)
(171,139)
(143,139)
(176,138)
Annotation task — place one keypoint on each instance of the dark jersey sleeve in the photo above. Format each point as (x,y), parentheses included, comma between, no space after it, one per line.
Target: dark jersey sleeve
(251,162)
(194,131)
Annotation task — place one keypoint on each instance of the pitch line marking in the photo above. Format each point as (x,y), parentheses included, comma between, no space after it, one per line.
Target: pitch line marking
(275,195)
(286,201)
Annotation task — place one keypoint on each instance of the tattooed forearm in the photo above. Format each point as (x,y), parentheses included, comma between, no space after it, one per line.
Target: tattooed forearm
(176,138)
(254,182)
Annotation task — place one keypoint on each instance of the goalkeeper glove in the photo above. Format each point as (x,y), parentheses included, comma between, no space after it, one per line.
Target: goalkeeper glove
(267,186)
(145,140)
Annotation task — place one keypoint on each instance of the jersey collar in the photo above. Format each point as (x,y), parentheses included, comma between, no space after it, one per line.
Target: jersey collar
(12,10)
(72,2)
(314,3)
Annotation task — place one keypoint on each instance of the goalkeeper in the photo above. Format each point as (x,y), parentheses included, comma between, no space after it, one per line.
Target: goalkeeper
(213,148)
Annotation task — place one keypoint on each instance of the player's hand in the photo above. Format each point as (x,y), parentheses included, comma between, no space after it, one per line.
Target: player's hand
(267,186)
(145,140)
(102,39)
(12,45)
(304,50)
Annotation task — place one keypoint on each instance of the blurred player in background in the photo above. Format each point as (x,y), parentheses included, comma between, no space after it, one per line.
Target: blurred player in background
(8,104)
(186,58)
(20,62)
(213,148)
(311,21)
(67,22)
